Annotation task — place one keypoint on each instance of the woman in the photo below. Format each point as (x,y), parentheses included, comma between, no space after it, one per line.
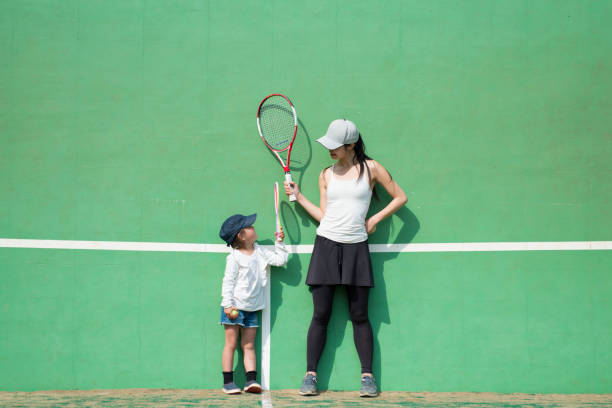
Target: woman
(341,255)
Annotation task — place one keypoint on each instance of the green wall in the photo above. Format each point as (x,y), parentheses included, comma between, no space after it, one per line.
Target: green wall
(135,121)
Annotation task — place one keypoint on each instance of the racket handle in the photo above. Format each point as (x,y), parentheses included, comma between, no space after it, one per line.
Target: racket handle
(290,180)
(278,229)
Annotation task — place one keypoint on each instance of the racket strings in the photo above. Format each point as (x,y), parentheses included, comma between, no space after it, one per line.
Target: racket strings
(277,122)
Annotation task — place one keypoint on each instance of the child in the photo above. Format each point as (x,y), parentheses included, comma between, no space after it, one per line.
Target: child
(245,277)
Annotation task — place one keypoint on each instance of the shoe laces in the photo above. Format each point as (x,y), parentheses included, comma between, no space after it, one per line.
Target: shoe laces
(367,379)
(311,377)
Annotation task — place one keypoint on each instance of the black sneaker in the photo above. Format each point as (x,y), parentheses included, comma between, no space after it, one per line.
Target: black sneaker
(252,386)
(368,387)
(231,388)
(309,385)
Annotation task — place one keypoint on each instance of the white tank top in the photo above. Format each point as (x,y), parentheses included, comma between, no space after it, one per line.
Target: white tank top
(347,205)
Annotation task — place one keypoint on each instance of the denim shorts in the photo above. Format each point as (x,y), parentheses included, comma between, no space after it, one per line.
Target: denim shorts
(244,319)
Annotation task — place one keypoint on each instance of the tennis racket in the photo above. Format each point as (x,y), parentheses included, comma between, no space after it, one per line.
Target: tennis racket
(277,124)
(278,226)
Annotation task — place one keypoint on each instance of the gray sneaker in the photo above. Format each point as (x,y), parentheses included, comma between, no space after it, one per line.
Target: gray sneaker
(309,385)
(231,388)
(368,387)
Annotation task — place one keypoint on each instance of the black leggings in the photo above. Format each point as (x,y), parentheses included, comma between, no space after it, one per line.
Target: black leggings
(322,298)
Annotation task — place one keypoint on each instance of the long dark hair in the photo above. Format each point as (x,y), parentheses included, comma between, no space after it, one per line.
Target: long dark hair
(360,158)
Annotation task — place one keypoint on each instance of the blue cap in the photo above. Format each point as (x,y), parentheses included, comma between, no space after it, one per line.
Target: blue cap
(232,226)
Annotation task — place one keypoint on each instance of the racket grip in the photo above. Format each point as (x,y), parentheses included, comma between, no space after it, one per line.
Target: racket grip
(278,231)
(290,180)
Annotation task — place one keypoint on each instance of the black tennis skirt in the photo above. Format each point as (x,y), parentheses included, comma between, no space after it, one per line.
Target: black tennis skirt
(335,263)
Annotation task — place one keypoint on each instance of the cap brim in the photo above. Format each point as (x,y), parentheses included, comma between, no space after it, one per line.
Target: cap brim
(328,144)
(249,220)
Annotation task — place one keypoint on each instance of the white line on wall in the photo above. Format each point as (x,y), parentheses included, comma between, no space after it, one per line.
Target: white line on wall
(306,249)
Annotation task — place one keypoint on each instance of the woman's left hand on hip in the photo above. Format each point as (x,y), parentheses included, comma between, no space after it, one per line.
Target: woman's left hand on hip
(370,225)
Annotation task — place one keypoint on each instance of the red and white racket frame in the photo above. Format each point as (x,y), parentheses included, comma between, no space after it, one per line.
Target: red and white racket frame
(288,148)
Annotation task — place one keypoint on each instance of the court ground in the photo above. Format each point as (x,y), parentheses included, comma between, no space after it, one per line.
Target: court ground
(290,398)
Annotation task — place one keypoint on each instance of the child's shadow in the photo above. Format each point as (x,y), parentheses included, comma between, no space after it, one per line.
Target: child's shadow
(280,276)
(378,304)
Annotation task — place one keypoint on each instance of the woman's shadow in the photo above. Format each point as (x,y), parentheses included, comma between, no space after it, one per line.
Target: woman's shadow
(379,306)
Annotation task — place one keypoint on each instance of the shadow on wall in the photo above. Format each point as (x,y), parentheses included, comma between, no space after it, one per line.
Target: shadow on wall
(379,307)
(291,274)
(301,156)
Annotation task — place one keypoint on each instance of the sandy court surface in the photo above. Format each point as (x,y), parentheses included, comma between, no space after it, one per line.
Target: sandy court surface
(290,398)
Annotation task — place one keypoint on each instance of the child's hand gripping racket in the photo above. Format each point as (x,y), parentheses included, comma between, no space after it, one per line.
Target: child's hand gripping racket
(280,235)
(277,124)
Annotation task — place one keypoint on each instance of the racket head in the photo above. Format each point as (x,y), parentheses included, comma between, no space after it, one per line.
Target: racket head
(277,122)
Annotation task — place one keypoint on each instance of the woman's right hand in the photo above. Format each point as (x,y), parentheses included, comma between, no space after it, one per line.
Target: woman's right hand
(296,189)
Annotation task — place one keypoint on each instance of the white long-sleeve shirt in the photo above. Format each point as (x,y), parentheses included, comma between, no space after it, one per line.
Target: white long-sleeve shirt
(247,275)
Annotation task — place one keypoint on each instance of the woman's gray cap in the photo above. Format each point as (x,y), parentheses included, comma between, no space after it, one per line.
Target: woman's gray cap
(339,132)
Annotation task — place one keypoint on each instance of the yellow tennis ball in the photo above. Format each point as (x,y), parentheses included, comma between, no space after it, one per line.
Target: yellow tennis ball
(234,314)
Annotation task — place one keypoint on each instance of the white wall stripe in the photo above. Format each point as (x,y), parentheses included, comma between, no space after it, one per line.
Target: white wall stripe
(112,245)
(494,246)
(306,249)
